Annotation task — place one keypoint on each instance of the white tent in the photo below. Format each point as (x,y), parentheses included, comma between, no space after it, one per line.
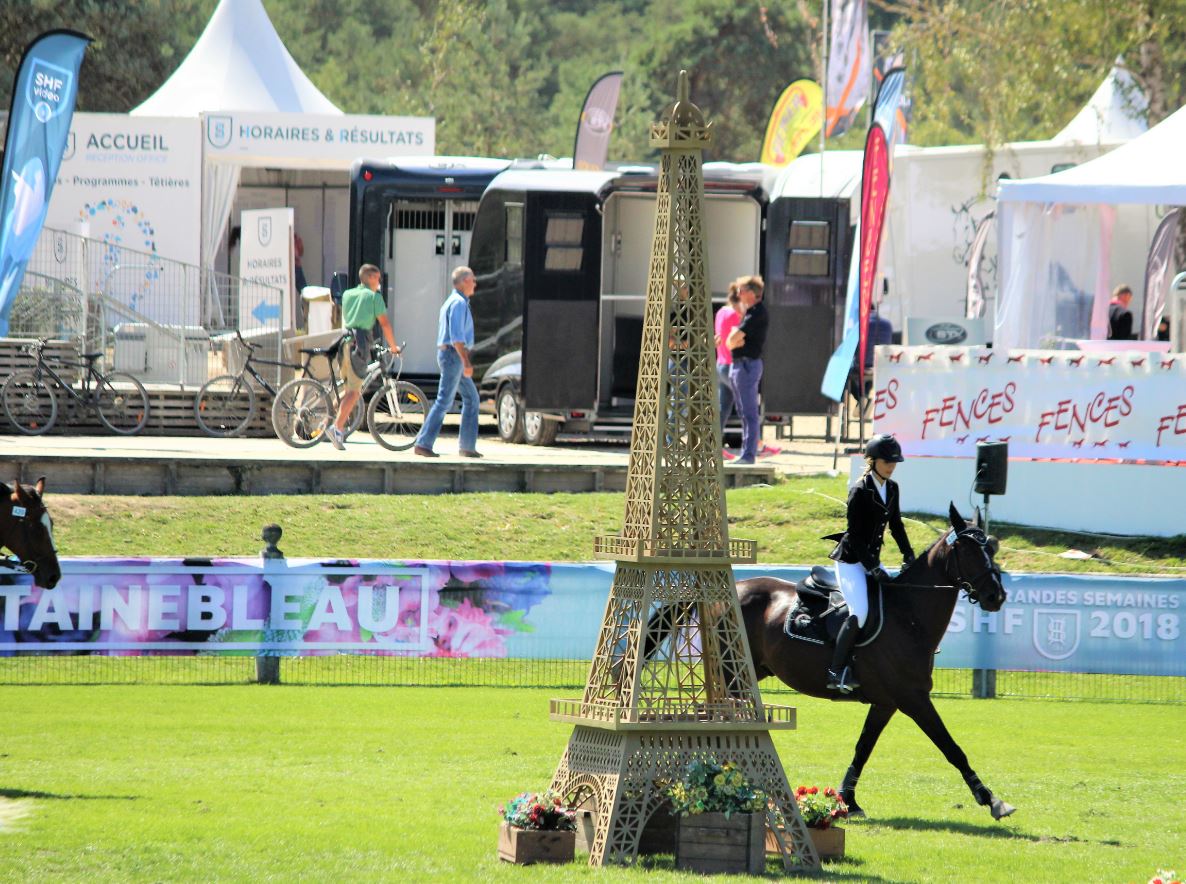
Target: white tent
(238,64)
(1116,112)
(1055,235)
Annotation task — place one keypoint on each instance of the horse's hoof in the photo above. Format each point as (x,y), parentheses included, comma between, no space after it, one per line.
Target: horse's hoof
(855,813)
(1001,809)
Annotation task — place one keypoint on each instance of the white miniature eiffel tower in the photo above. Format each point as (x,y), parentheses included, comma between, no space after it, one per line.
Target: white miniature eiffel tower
(672,679)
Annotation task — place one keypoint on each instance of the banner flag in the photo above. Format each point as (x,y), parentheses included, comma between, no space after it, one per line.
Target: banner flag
(874,198)
(1157,271)
(840,364)
(795,120)
(887,109)
(850,71)
(596,124)
(38,125)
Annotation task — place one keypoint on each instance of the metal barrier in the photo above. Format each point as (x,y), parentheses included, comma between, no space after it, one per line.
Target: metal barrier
(161,320)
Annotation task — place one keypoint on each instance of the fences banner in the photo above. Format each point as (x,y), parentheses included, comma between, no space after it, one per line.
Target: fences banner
(1062,404)
(523,610)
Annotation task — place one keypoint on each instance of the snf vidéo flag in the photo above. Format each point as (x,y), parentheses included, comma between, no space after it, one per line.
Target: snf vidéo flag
(850,72)
(38,124)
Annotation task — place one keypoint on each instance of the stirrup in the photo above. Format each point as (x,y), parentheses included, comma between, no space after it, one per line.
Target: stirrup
(842,681)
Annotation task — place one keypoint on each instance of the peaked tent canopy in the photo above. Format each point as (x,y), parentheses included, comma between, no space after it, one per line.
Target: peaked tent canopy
(1055,235)
(238,64)
(1116,112)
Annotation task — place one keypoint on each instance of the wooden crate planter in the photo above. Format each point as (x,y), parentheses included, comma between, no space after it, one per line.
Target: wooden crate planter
(828,843)
(710,842)
(525,846)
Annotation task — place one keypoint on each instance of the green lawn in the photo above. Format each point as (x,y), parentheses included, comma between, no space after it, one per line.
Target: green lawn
(786,520)
(166,783)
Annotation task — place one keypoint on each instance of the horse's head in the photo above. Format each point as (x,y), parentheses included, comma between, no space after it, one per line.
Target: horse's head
(27,529)
(971,564)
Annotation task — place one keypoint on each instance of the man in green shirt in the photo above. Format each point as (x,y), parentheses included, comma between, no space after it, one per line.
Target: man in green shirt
(362,307)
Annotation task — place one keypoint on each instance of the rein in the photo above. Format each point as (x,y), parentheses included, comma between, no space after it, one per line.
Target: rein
(961,584)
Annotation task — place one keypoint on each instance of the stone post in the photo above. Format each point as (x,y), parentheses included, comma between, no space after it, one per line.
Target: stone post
(267,668)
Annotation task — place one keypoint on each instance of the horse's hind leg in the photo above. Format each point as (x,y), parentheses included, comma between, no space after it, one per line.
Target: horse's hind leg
(875,723)
(926,716)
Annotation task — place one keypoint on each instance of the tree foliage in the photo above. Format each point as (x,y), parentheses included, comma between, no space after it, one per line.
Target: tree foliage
(507,77)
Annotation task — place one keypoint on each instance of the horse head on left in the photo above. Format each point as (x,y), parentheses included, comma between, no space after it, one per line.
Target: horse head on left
(27,529)
(970,561)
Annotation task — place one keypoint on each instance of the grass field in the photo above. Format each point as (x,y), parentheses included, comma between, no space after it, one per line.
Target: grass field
(144,783)
(787,521)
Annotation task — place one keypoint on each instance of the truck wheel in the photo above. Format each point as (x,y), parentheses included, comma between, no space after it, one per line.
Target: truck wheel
(539,430)
(509,410)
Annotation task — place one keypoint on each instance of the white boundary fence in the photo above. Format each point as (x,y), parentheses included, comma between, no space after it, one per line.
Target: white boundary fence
(164,321)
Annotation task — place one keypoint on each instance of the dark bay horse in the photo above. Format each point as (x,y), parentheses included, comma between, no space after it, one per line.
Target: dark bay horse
(27,529)
(895,669)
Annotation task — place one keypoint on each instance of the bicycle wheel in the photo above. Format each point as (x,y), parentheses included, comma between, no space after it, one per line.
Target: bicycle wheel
(29,403)
(396,414)
(301,413)
(224,406)
(122,403)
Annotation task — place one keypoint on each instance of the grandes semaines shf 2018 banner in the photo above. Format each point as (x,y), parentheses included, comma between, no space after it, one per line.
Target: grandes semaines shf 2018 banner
(42,105)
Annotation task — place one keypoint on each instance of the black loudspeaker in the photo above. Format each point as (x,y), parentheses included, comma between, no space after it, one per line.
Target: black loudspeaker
(992,467)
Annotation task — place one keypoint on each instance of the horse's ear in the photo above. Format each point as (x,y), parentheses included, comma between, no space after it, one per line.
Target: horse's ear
(40,485)
(977,518)
(994,545)
(957,521)
(17,493)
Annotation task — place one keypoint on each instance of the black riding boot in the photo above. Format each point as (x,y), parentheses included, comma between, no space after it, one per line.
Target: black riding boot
(840,675)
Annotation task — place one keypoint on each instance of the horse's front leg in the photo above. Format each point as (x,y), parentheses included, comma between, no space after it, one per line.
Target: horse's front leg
(875,723)
(924,714)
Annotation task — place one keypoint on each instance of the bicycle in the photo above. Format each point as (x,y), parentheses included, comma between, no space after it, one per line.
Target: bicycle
(29,401)
(306,406)
(396,411)
(225,405)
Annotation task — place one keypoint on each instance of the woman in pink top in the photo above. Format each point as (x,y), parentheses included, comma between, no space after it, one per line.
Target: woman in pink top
(727,319)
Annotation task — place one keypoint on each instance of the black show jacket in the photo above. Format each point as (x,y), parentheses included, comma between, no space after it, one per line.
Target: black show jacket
(867,521)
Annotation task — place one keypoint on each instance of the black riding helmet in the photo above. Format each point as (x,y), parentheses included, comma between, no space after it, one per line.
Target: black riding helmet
(884,447)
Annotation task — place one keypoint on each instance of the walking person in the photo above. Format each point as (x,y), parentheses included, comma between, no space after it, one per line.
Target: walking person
(1120,316)
(746,341)
(727,319)
(873,504)
(455,340)
(362,307)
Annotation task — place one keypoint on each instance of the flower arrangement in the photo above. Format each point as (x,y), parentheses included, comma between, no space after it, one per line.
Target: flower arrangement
(709,786)
(820,809)
(543,812)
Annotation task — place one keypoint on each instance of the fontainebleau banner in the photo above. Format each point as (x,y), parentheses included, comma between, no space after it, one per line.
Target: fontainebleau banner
(43,99)
(1059,404)
(795,120)
(520,610)
(591,146)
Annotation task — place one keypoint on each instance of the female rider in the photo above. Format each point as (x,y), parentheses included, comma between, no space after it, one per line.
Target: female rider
(872,505)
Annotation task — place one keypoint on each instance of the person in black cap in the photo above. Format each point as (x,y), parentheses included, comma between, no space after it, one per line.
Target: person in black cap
(872,506)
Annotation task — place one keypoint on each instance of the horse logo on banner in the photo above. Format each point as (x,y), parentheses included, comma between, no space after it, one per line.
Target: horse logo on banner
(1056,633)
(48,89)
(265,230)
(219,129)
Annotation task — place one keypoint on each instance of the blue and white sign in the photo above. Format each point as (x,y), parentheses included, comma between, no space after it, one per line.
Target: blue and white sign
(266,257)
(43,102)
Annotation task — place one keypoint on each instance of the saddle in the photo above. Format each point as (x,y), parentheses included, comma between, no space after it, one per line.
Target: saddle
(821,610)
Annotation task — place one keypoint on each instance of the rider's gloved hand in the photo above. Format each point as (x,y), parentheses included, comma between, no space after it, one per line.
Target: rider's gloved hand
(907,560)
(879,574)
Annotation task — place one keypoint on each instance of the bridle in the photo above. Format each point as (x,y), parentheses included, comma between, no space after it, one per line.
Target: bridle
(970,587)
(13,563)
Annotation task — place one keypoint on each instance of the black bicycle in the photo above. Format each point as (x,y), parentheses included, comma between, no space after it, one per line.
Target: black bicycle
(225,405)
(29,400)
(396,411)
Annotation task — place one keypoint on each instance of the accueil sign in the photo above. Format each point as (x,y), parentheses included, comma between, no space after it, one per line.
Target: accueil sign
(313,139)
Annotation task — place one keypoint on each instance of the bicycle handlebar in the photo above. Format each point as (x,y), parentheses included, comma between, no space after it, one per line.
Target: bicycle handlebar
(250,346)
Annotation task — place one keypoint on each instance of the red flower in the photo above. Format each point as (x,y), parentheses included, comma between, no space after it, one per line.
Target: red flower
(830,792)
(801,791)
(813,790)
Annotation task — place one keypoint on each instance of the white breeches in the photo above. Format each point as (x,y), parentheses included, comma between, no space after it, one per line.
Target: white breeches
(851,578)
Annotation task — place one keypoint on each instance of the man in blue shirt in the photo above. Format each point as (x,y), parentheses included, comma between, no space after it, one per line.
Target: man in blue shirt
(455,339)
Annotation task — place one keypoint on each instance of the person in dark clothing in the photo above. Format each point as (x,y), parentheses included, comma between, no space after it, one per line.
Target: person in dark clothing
(746,341)
(1119,316)
(1163,329)
(873,504)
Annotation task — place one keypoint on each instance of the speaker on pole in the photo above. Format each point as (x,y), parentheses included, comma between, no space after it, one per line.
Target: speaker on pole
(992,467)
